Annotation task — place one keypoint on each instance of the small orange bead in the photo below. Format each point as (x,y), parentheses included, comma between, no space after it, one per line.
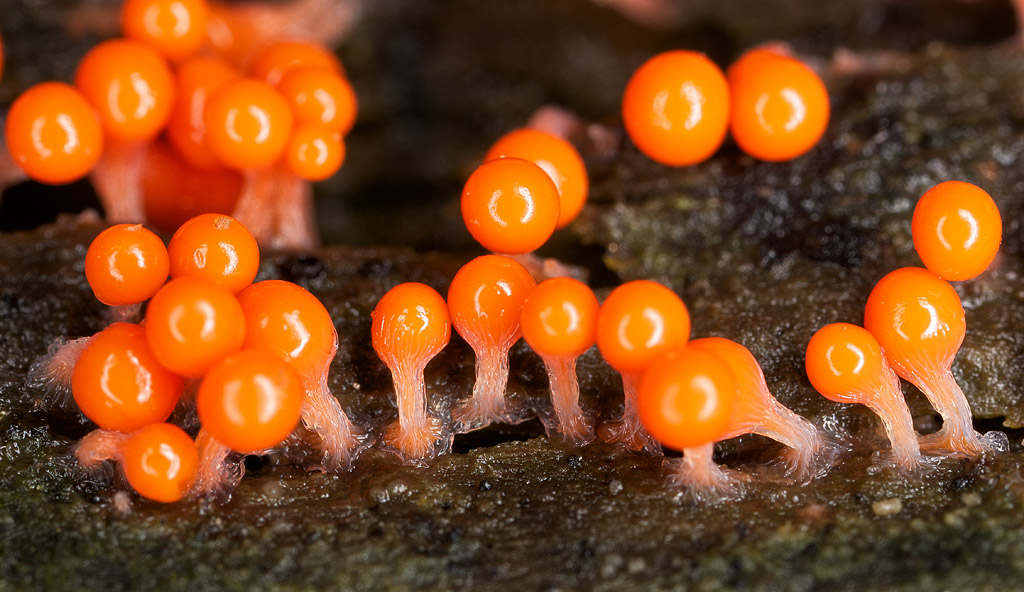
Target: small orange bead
(130,85)
(196,78)
(250,400)
(410,325)
(957,230)
(174,191)
(192,323)
(53,133)
(271,64)
(638,321)
(314,153)
(676,108)
(320,96)
(559,317)
(175,28)
(918,319)
(285,319)
(686,397)
(216,248)
(560,161)
(160,461)
(780,107)
(126,264)
(485,299)
(118,383)
(247,124)
(844,362)
(510,206)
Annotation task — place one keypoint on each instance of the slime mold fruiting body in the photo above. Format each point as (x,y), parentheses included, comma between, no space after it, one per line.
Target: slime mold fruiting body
(285,319)
(118,383)
(685,399)
(510,206)
(159,460)
(53,134)
(410,327)
(126,265)
(192,323)
(756,411)
(780,107)
(676,108)
(216,248)
(484,301)
(319,95)
(250,400)
(248,125)
(196,79)
(175,28)
(247,402)
(957,230)
(175,191)
(559,321)
(845,364)
(132,89)
(919,322)
(271,63)
(638,321)
(558,158)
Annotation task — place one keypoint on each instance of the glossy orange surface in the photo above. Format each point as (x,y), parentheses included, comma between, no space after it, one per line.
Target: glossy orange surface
(126,264)
(686,396)
(319,96)
(957,230)
(53,134)
(314,152)
(285,319)
(160,461)
(247,124)
(119,384)
(780,107)
(410,325)
(485,299)
(175,28)
(130,85)
(250,400)
(272,62)
(638,321)
(510,206)
(192,323)
(560,161)
(844,362)
(676,108)
(216,248)
(559,317)
(196,79)
(918,320)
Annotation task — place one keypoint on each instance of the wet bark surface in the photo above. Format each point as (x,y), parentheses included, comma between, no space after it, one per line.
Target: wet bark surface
(762,253)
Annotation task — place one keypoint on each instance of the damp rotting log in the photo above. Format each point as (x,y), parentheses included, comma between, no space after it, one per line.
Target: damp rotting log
(763,254)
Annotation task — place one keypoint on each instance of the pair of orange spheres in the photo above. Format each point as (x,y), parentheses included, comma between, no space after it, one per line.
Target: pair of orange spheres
(678,106)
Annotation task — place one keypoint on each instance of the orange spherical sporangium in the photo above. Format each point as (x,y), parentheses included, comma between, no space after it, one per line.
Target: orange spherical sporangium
(676,108)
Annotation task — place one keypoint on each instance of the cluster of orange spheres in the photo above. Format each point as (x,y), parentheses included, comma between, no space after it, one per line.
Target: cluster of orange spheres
(530,184)
(682,394)
(252,348)
(162,102)
(914,324)
(678,106)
